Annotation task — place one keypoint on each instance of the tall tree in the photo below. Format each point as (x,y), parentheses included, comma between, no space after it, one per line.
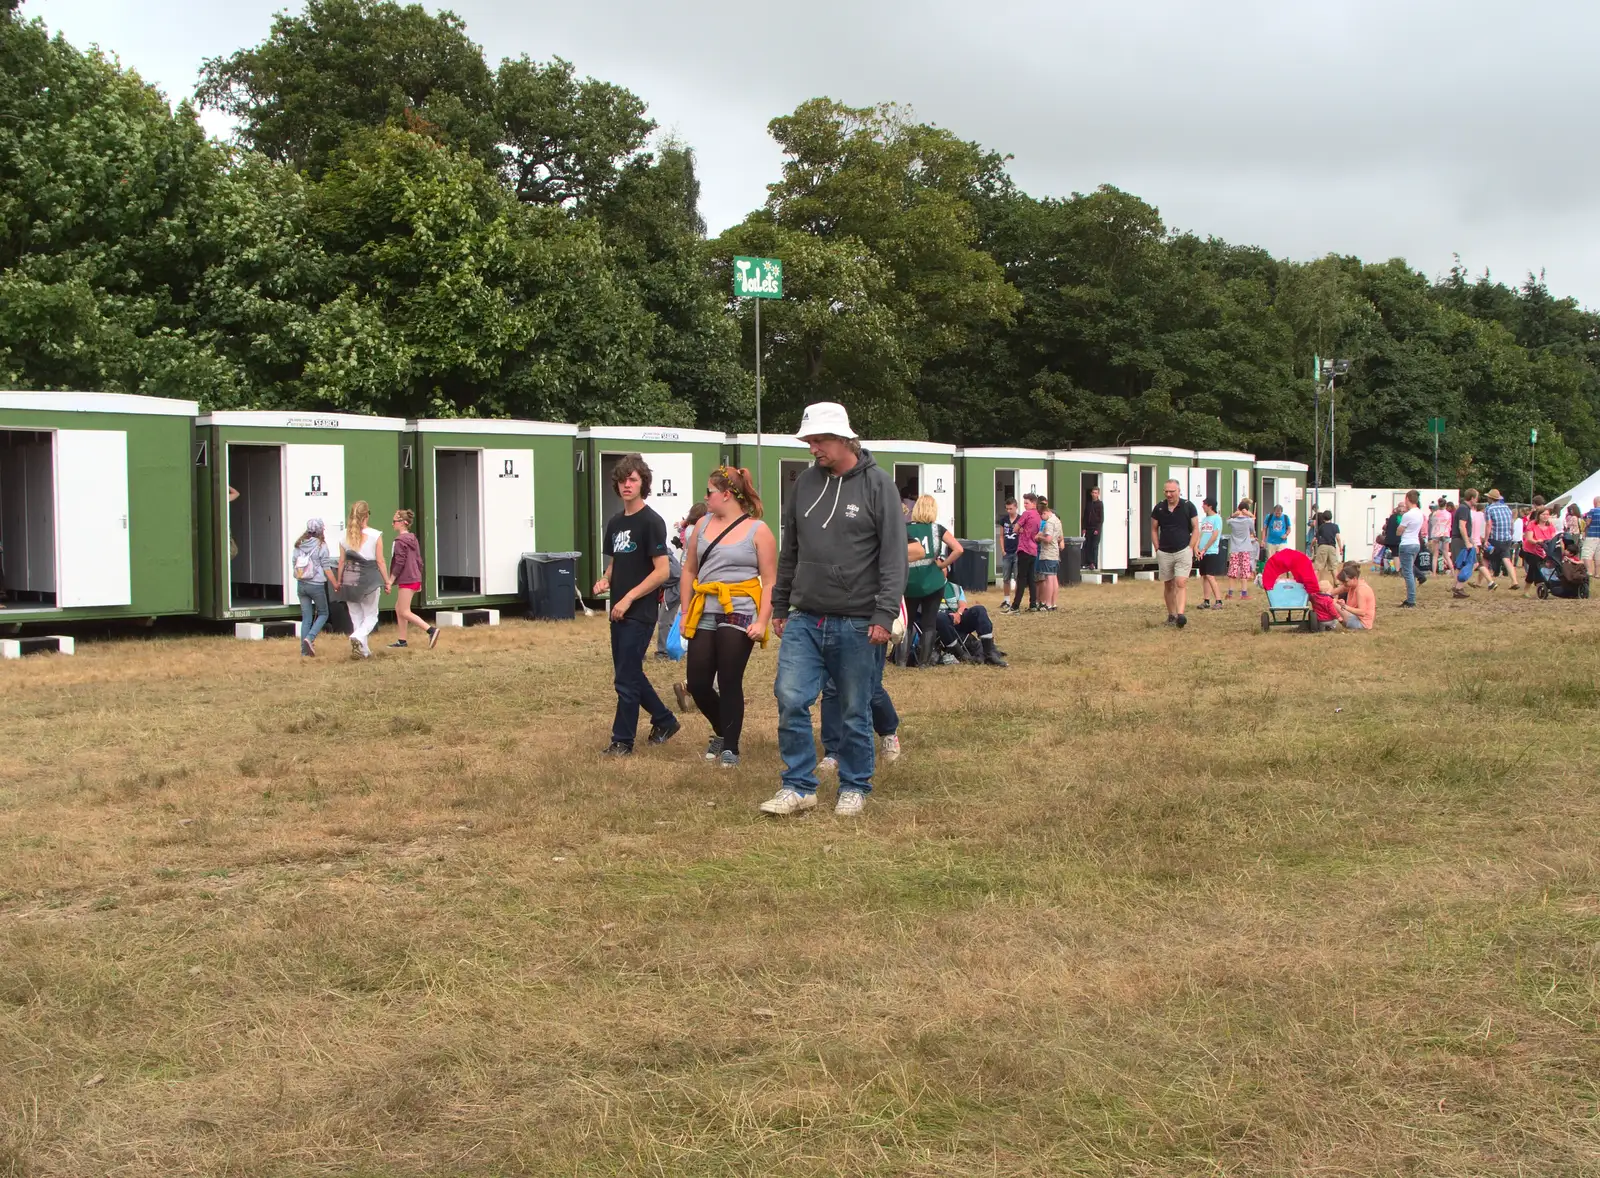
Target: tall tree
(896,269)
(341,66)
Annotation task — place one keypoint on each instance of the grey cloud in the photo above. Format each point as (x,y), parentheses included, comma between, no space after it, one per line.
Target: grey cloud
(1413,129)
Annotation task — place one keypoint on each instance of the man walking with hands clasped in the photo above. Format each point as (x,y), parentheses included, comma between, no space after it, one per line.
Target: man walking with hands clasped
(841,573)
(1175,535)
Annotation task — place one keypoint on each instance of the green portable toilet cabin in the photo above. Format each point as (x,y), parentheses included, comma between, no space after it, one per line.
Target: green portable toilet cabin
(1149,468)
(680,461)
(988,476)
(96,506)
(781,459)
(486,491)
(1283,482)
(1226,476)
(286,468)
(1072,474)
(921,468)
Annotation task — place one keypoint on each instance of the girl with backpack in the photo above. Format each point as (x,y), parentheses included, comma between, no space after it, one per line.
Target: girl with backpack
(312,560)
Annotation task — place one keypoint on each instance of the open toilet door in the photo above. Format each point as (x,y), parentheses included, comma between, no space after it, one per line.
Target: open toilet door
(92,549)
(508,516)
(1114,531)
(313,488)
(939,480)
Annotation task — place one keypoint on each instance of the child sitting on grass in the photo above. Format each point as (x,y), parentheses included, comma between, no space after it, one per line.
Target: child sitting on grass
(1356,602)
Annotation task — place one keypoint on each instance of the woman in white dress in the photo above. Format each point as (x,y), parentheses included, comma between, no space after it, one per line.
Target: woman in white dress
(362,575)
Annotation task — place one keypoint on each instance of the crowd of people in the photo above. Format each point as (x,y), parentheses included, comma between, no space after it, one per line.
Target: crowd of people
(1480,544)
(860,573)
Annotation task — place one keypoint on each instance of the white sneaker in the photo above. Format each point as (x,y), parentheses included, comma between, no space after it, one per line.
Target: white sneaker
(828,765)
(851,802)
(891,750)
(788,801)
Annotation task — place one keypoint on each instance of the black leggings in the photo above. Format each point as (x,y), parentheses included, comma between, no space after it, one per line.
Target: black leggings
(717,658)
(924,611)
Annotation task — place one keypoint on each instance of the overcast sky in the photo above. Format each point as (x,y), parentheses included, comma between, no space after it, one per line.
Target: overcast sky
(1381,128)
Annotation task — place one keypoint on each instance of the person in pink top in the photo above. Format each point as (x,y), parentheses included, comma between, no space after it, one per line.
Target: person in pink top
(1027,552)
(1439,533)
(1535,533)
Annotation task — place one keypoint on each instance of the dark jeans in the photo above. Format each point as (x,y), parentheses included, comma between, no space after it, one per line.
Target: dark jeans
(1025,577)
(885,720)
(974,620)
(1091,550)
(313,608)
(815,649)
(717,658)
(630,640)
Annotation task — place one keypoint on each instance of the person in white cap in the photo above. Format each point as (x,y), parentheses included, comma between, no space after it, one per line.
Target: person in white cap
(841,573)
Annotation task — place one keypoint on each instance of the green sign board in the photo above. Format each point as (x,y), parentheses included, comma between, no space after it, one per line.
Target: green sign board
(1436,425)
(757,278)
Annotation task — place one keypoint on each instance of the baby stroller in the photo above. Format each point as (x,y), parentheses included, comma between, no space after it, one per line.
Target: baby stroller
(1553,574)
(1294,598)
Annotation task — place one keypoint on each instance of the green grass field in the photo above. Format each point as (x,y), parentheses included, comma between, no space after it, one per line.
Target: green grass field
(1211,902)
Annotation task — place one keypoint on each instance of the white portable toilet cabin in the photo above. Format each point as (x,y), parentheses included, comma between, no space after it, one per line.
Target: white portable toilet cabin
(1073,474)
(1149,468)
(920,468)
(1361,512)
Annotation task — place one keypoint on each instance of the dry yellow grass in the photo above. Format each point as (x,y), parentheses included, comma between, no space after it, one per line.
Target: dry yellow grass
(1146,903)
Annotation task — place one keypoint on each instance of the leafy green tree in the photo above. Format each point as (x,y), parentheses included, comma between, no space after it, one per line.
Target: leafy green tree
(895,278)
(458,299)
(102,190)
(342,66)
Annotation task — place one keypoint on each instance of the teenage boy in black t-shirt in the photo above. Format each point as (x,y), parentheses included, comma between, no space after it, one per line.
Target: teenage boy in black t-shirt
(636,567)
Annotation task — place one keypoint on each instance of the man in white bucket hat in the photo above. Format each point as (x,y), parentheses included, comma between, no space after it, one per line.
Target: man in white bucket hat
(841,573)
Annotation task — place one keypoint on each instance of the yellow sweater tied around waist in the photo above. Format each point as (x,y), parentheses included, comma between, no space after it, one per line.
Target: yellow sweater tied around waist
(725,592)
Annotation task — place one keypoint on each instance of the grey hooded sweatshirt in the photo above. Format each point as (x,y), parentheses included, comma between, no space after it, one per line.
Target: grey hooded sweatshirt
(844,545)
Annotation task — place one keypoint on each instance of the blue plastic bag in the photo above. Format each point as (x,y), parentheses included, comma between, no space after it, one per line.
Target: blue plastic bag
(676,647)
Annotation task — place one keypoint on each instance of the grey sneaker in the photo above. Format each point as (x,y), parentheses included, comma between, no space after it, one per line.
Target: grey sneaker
(729,759)
(828,765)
(851,802)
(891,748)
(713,748)
(788,801)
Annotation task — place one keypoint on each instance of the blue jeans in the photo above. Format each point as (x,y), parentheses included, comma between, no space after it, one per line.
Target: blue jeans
(630,640)
(1408,570)
(1466,559)
(885,720)
(814,650)
(313,608)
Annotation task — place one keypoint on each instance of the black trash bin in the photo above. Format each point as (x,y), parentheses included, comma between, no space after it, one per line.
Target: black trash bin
(547,582)
(1072,561)
(971,572)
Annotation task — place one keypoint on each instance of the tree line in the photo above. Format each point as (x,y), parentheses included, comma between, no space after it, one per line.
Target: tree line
(403,228)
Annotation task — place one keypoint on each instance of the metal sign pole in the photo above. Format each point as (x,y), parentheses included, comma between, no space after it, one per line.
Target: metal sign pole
(759,463)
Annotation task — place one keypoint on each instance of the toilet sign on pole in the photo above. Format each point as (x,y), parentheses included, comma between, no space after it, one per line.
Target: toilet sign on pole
(758,278)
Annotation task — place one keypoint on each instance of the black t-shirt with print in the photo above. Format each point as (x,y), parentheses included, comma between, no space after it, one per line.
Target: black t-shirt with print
(632,543)
(1174,530)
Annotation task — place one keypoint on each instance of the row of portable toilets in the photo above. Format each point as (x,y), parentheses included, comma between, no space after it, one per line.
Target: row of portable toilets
(127,506)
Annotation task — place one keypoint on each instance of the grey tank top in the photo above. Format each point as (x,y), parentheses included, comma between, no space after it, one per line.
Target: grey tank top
(1241,530)
(731,561)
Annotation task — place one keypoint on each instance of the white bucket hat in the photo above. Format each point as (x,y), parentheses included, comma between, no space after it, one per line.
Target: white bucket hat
(825,417)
